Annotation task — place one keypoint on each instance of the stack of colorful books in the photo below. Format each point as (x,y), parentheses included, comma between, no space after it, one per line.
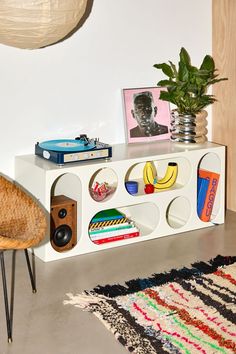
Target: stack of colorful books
(111,225)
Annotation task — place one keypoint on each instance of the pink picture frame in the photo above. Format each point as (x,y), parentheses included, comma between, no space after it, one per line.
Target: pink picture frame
(147,117)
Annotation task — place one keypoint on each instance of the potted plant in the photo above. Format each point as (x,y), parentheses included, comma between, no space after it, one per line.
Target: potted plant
(186,87)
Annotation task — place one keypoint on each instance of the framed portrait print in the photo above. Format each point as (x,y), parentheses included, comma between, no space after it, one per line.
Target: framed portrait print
(147,117)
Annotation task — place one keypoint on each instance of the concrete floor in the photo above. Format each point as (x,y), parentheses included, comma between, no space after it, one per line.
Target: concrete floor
(43,325)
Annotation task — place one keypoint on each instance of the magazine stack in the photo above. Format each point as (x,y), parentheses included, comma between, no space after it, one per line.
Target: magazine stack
(111,225)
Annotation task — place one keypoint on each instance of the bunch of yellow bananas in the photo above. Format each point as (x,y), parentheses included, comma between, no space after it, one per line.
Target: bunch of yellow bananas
(150,175)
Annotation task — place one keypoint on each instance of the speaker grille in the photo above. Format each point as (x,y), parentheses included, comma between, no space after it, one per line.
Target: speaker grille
(62,235)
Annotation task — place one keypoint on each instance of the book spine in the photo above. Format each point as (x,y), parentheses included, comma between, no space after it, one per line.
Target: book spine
(110,228)
(96,225)
(203,184)
(109,214)
(210,194)
(116,238)
(113,233)
(107,218)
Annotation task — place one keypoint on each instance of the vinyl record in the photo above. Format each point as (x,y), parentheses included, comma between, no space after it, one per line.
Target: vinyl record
(65,145)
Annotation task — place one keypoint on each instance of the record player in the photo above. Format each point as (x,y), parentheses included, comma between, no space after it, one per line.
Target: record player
(64,151)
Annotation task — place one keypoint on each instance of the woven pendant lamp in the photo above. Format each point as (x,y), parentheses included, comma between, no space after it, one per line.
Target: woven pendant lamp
(34,24)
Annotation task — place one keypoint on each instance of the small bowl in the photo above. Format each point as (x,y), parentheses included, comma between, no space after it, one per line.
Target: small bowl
(131,187)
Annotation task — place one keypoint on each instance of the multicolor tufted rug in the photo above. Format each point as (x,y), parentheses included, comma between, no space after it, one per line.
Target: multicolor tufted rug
(190,310)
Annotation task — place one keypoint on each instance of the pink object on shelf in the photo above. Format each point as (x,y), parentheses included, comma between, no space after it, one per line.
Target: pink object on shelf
(101,190)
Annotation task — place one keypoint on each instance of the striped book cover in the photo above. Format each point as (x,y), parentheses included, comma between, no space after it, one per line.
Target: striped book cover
(97,225)
(126,225)
(113,233)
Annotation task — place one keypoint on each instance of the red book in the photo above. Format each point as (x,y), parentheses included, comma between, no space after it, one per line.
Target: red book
(116,238)
(213,178)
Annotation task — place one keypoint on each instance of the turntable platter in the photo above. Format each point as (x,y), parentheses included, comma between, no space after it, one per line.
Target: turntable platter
(65,145)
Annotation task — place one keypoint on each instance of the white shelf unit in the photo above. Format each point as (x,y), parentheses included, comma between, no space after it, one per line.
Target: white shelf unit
(159,214)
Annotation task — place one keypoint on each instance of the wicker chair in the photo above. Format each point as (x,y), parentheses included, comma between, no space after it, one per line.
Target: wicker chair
(22,225)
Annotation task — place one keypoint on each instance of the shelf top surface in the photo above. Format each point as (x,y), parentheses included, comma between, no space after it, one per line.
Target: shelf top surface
(121,152)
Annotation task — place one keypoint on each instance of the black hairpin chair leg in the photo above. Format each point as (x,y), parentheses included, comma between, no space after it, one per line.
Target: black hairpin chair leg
(4,283)
(32,277)
(9,306)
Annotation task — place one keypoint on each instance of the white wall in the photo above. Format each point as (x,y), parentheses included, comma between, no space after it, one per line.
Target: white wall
(75,86)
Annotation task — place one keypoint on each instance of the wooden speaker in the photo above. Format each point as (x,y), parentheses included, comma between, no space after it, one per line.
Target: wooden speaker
(63,234)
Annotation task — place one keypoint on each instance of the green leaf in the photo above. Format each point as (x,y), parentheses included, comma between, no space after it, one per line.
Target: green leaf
(174,69)
(193,69)
(208,64)
(166,96)
(204,74)
(183,72)
(167,70)
(184,57)
(166,83)
(217,80)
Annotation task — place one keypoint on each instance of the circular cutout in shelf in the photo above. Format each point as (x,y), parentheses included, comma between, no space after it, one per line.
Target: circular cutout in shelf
(159,169)
(124,223)
(210,161)
(178,212)
(103,184)
(69,186)
(208,194)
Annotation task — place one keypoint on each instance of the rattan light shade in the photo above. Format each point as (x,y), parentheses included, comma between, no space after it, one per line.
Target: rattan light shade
(34,24)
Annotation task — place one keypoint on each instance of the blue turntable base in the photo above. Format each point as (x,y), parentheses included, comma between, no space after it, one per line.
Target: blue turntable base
(72,150)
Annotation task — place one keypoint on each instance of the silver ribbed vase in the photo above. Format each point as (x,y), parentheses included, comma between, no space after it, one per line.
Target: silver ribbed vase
(189,128)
